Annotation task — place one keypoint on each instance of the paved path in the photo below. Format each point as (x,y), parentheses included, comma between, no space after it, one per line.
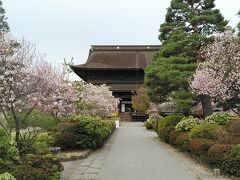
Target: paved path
(132,153)
(136,155)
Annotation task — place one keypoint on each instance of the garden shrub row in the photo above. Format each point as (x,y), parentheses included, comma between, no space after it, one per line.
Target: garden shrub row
(215,141)
(84,133)
(38,166)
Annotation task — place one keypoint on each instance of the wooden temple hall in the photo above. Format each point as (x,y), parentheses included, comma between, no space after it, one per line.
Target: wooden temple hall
(120,67)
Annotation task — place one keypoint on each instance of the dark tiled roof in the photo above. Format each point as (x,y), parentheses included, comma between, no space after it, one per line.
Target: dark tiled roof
(118,57)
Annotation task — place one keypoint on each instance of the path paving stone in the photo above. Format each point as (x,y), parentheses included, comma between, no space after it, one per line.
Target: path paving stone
(133,153)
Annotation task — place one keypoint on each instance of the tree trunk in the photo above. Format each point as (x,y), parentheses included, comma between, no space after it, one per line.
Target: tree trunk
(206,105)
(17,137)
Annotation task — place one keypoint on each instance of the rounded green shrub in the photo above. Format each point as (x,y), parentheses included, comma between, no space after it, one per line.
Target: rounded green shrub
(235,151)
(7,176)
(173,137)
(231,165)
(9,156)
(200,147)
(204,131)
(222,118)
(166,125)
(151,122)
(182,141)
(38,167)
(187,123)
(89,133)
(42,143)
(217,152)
(170,120)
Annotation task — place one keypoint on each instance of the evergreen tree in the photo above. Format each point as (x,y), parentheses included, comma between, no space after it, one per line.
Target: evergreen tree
(3,22)
(188,26)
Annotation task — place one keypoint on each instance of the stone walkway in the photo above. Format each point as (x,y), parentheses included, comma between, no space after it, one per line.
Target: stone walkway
(89,168)
(133,153)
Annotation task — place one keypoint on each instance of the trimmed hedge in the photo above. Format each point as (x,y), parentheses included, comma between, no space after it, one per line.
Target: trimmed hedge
(200,147)
(187,123)
(85,133)
(216,143)
(204,131)
(231,165)
(221,118)
(166,125)
(38,167)
(217,152)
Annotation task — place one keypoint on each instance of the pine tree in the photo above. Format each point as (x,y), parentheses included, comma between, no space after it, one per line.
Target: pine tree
(188,26)
(3,22)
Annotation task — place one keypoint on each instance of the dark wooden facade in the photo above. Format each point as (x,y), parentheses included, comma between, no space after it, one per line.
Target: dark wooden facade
(120,67)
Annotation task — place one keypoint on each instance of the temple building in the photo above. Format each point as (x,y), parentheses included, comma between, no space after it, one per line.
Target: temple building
(120,67)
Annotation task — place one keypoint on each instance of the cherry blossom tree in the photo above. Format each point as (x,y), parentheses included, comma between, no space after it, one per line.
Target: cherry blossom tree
(29,82)
(219,75)
(96,100)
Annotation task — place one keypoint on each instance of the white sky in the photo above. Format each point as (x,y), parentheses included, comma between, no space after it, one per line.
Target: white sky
(67,28)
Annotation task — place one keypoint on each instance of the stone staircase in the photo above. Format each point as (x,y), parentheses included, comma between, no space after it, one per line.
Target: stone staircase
(126,116)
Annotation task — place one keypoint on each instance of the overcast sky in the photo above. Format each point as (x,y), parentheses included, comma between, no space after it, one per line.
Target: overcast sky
(67,28)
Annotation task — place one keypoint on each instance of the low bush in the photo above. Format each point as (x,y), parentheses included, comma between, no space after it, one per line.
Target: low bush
(226,137)
(85,133)
(38,167)
(9,156)
(152,122)
(234,126)
(187,123)
(7,176)
(173,135)
(165,132)
(42,143)
(167,125)
(170,120)
(200,147)
(222,118)
(217,152)
(231,165)
(204,131)
(182,142)
(235,151)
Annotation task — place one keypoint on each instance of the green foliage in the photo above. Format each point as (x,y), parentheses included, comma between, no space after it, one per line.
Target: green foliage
(217,152)
(3,22)
(166,125)
(9,156)
(231,165)
(44,121)
(187,123)
(234,126)
(220,118)
(141,101)
(170,120)
(86,132)
(200,147)
(235,151)
(42,143)
(151,123)
(187,28)
(6,176)
(204,131)
(39,167)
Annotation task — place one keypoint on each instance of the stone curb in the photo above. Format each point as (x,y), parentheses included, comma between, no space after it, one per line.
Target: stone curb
(83,155)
